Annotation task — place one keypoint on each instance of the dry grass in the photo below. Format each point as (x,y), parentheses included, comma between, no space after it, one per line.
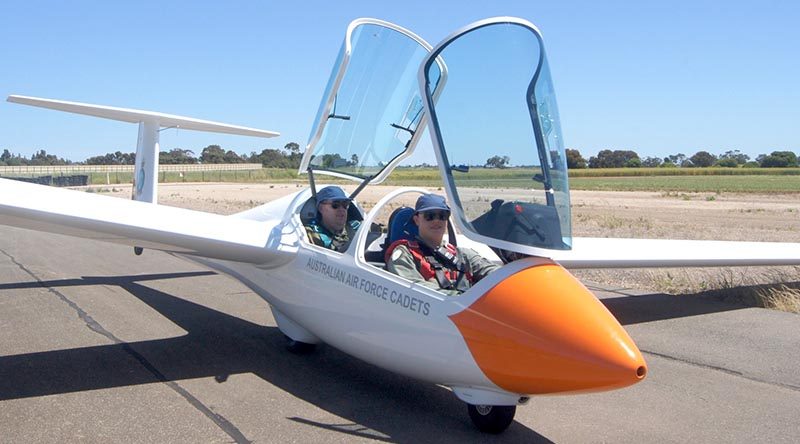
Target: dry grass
(775,288)
(783,298)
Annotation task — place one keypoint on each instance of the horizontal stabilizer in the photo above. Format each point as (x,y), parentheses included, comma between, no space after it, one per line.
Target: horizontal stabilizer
(138,116)
(140,224)
(639,253)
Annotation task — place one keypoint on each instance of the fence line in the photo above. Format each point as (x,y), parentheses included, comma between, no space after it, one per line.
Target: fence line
(73,169)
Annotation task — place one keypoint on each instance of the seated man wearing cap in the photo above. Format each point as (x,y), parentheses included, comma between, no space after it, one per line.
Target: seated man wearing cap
(430,260)
(331,229)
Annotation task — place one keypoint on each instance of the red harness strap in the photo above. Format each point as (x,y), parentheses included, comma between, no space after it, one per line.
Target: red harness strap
(423,263)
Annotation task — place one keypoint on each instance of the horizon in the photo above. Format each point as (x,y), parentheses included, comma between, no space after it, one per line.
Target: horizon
(654,79)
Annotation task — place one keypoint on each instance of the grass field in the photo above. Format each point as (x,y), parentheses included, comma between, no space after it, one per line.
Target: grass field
(249,176)
(690,184)
(687,180)
(712,171)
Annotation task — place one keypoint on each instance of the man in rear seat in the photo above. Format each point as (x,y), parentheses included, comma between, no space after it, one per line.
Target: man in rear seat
(331,229)
(430,260)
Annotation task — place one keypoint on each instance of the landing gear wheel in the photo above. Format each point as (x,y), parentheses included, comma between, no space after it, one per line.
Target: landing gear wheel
(491,418)
(299,348)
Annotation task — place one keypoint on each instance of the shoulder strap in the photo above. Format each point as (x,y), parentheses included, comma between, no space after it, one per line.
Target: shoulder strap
(464,271)
(412,246)
(351,227)
(430,265)
(445,265)
(321,233)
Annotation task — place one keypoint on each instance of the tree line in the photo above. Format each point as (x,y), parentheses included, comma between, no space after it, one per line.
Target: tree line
(729,159)
(288,157)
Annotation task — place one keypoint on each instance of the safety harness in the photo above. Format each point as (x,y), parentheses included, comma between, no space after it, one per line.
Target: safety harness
(330,240)
(444,263)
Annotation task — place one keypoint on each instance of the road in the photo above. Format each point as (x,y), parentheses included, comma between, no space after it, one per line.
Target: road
(99,345)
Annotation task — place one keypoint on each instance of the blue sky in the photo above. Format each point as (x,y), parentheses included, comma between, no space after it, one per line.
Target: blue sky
(660,78)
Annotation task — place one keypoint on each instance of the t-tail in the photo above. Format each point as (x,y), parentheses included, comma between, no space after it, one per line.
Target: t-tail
(145,177)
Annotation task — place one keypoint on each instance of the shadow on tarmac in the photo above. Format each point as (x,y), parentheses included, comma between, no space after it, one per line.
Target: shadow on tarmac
(636,309)
(379,404)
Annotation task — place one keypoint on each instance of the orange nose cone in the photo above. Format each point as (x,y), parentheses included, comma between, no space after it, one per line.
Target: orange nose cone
(541,331)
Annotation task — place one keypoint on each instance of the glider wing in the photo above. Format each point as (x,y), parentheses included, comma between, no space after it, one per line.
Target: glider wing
(141,224)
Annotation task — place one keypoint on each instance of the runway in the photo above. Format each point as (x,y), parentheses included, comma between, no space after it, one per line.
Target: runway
(100,345)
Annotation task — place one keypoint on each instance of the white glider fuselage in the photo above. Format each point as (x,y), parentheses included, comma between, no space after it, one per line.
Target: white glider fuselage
(362,309)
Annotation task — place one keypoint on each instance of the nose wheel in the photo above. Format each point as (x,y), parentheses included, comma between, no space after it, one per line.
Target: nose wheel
(491,418)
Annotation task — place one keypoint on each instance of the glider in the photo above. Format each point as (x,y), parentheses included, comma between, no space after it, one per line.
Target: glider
(529,328)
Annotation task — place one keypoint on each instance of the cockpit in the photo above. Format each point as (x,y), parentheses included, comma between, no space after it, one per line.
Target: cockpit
(371,111)
(494,127)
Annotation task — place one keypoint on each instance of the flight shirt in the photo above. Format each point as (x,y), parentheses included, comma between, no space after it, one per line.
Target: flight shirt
(402,263)
(323,237)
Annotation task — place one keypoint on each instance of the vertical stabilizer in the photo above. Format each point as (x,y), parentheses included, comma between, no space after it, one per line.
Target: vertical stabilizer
(145,174)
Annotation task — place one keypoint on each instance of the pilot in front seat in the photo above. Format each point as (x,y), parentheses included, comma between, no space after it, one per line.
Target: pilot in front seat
(429,259)
(330,228)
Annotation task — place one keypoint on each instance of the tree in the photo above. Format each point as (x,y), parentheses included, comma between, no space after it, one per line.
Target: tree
(727,162)
(773,162)
(42,158)
(633,162)
(791,158)
(333,161)
(212,154)
(703,159)
(292,147)
(116,158)
(652,162)
(16,160)
(736,155)
(575,160)
(777,159)
(10,159)
(497,162)
(676,159)
(232,157)
(176,156)
(613,159)
(272,158)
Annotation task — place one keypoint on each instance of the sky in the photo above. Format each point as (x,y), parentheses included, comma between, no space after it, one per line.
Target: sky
(658,78)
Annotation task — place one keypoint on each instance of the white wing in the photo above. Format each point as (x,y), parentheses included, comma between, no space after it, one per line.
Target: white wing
(128,222)
(136,115)
(634,253)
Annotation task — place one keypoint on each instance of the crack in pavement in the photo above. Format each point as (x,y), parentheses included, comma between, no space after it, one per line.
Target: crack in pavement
(721,369)
(221,422)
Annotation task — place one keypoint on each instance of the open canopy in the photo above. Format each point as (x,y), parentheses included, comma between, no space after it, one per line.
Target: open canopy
(371,109)
(495,124)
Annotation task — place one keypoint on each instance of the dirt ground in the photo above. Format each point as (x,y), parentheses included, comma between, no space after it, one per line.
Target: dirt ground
(725,216)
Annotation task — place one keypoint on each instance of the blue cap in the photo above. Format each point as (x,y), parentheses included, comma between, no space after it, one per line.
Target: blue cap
(331,193)
(428,202)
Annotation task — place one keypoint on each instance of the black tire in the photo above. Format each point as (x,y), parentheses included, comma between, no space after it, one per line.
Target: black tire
(299,348)
(492,418)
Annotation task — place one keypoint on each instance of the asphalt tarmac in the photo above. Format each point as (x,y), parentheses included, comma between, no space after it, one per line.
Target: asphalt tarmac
(99,345)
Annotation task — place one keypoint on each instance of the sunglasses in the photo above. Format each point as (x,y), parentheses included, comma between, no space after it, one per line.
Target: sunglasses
(337,205)
(433,215)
